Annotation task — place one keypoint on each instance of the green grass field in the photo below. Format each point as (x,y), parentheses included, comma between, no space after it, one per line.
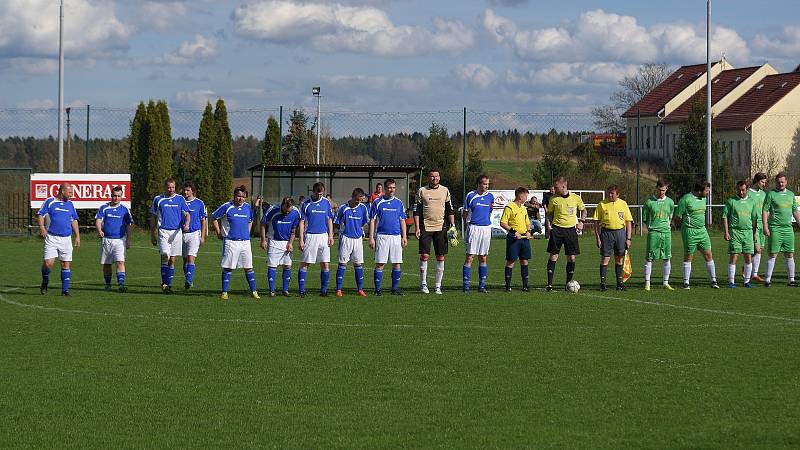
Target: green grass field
(702,368)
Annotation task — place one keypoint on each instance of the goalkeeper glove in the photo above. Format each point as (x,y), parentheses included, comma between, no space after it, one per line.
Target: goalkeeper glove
(452,236)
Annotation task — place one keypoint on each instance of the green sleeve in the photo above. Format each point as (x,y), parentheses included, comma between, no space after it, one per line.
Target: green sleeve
(767,202)
(681,208)
(646,211)
(726,209)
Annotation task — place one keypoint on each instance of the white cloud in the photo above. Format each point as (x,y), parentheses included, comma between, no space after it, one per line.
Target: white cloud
(196,99)
(29,29)
(357,29)
(475,74)
(162,16)
(601,36)
(46,103)
(404,84)
(570,74)
(201,49)
(787,45)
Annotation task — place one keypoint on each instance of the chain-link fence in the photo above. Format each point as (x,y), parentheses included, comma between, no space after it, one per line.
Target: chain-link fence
(15,211)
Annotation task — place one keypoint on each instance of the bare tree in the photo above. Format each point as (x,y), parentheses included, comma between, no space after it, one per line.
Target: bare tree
(631,89)
(765,159)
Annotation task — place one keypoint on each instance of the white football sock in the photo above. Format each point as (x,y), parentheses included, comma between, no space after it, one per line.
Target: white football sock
(423,273)
(667,270)
(748,268)
(731,273)
(770,268)
(712,270)
(756,264)
(790,268)
(648,270)
(687,271)
(439,273)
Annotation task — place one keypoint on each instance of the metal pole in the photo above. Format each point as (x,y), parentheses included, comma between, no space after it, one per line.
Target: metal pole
(60,86)
(69,133)
(709,200)
(86,146)
(464,162)
(280,135)
(319,123)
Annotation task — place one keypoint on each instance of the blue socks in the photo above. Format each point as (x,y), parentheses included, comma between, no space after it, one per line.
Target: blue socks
(483,273)
(466,273)
(226,280)
(251,280)
(272,272)
(359,278)
(378,278)
(340,277)
(396,274)
(301,280)
(287,276)
(188,270)
(170,274)
(65,277)
(121,278)
(163,274)
(524,272)
(45,275)
(324,277)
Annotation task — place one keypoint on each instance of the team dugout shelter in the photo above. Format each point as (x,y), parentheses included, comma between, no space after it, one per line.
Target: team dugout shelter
(275,181)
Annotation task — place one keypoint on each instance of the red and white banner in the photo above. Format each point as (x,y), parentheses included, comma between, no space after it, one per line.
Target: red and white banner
(89,190)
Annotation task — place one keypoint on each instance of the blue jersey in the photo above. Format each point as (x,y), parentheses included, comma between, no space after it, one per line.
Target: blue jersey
(197,212)
(279,226)
(351,221)
(235,221)
(169,211)
(316,215)
(115,220)
(61,214)
(388,211)
(479,208)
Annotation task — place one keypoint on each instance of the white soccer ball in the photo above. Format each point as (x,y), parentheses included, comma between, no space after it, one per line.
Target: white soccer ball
(573,287)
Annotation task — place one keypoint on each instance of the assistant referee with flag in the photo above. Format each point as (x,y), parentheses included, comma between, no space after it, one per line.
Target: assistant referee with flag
(613,230)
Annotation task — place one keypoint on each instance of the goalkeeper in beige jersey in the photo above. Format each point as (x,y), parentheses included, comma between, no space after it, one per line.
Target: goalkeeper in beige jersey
(434,208)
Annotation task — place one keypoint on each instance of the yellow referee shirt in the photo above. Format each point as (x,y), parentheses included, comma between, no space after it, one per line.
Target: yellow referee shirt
(565,209)
(613,215)
(516,217)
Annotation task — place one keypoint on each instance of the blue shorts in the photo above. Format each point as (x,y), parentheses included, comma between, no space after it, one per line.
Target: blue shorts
(517,248)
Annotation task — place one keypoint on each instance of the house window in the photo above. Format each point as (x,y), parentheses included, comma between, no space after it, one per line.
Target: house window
(739,153)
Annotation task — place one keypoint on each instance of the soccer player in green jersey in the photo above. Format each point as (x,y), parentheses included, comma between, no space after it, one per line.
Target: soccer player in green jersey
(758,192)
(779,207)
(657,212)
(691,212)
(739,219)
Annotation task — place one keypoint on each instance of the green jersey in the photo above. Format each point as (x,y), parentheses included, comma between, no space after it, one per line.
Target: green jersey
(780,205)
(692,211)
(758,197)
(657,213)
(740,212)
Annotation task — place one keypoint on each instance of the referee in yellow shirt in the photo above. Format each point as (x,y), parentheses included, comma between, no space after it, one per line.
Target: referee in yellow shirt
(563,223)
(516,222)
(613,231)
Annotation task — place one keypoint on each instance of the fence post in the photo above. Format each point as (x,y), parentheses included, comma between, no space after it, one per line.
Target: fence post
(280,135)
(86,144)
(464,161)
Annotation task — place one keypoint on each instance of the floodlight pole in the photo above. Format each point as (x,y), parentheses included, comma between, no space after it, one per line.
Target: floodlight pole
(60,86)
(709,200)
(316,92)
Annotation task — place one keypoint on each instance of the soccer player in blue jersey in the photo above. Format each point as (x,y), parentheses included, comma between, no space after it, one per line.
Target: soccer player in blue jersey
(170,218)
(478,215)
(232,223)
(278,229)
(316,237)
(58,235)
(113,223)
(196,235)
(387,235)
(351,218)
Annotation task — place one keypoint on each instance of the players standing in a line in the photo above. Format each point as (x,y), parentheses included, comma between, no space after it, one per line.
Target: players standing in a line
(316,237)
(351,218)
(196,235)
(387,235)
(613,230)
(433,206)
(278,229)
(657,215)
(758,193)
(779,207)
(739,216)
(58,236)
(563,225)
(236,217)
(169,213)
(478,215)
(516,222)
(691,212)
(113,222)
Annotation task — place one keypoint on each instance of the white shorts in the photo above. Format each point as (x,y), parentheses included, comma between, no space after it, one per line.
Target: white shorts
(478,239)
(277,254)
(191,243)
(236,255)
(317,250)
(388,248)
(58,247)
(170,242)
(112,250)
(351,250)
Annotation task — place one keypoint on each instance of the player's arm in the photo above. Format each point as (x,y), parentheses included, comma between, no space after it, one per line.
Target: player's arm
(42,228)
(217,231)
(98,224)
(725,225)
(372,233)
(597,228)
(76,230)
(417,214)
(187,219)
(203,230)
(504,222)
(581,215)
(628,233)
(301,231)
(549,215)
(153,228)
(403,230)
(765,221)
(263,228)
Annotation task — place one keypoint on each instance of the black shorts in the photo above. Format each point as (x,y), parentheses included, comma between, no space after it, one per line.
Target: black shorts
(439,239)
(566,237)
(517,248)
(612,242)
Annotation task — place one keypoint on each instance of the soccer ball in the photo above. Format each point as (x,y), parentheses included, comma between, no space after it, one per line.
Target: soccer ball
(573,287)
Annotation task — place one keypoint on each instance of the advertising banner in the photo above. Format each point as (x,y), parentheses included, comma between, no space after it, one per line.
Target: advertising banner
(89,190)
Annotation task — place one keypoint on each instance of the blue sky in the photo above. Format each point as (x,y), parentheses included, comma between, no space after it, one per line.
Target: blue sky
(371,55)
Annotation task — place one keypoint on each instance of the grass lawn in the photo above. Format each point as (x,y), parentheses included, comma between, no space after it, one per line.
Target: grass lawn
(700,368)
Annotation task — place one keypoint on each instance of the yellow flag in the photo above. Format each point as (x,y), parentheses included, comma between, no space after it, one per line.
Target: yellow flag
(627,269)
